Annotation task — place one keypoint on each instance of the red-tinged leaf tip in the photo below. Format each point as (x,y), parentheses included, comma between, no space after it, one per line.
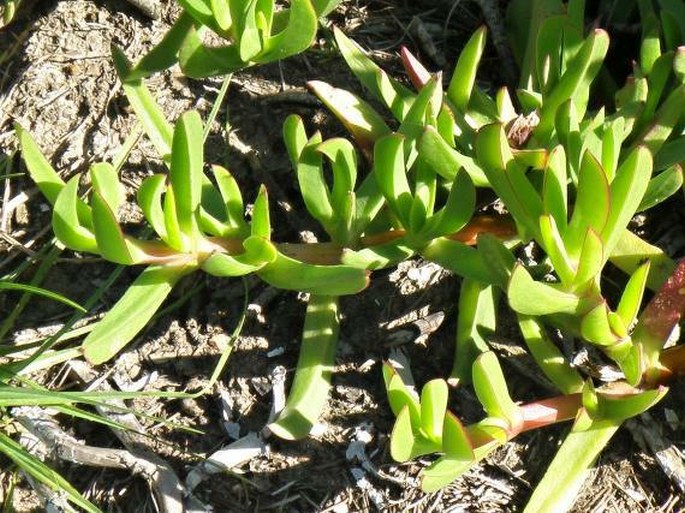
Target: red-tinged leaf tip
(418,74)
(666,308)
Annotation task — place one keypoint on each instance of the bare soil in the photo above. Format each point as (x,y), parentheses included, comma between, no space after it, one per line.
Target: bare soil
(57,80)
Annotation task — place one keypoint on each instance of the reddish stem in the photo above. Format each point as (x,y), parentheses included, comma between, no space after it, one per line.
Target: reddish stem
(550,411)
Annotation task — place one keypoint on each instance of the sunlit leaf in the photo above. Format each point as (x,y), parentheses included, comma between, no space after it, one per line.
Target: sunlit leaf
(131,313)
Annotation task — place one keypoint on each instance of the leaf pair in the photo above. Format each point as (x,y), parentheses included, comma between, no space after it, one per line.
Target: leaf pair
(424,425)
(257,33)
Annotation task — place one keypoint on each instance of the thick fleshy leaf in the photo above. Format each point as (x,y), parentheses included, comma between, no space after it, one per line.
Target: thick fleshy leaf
(312,382)
(231,196)
(627,191)
(442,472)
(46,178)
(106,182)
(491,388)
(620,408)
(530,297)
(664,122)
(447,161)
(165,54)
(65,220)
(591,260)
(400,395)
(458,258)
(434,397)
(199,61)
(358,117)
(476,320)
(157,128)
(297,36)
(343,158)
(185,172)
(631,299)
(571,465)
(248,39)
(592,206)
(630,252)
(174,237)
(556,250)
(455,440)
(108,234)
(508,178)
(287,273)
(132,312)
(402,437)
(393,94)
(575,82)
(458,209)
(261,220)
(295,137)
(596,328)
(377,257)
(464,77)
(613,137)
(661,187)
(258,253)
(499,258)
(416,117)
(551,361)
(391,174)
(149,197)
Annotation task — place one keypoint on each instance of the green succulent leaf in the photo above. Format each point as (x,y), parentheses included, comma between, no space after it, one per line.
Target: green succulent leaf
(491,388)
(290,274)
(400,395)
(501,261)
(596,328)
(390,170)
(231,196)
(312,381)
(459,258)
(199,61)
(508,178)
(551,361)
(106,182)
(460,205)
(358,117)
(618,408)
(185,172)
(574,83)
(661,187)
(258,253)
(65,220)
(132,312)
(165,54)
(592,206)
(261,220)
(631,299)
(394,95)
(297,36)
(445,160)
(571,465)
(149,197)
(530,297)
(464,77)
(108,234)
(477,320)
(434,397)
(295,137)
(627,191)
(556,250)
(442,472)
(591,259)
(377,257)
(148,112)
